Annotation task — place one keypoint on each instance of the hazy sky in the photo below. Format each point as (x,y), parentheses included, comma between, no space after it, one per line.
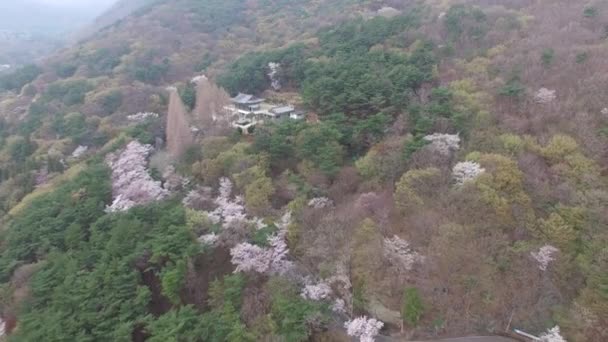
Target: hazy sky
(77,2)
(49,16)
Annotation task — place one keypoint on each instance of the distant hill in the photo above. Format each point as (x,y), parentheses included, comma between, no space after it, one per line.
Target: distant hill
(31,29)
(118,11)
(43,17)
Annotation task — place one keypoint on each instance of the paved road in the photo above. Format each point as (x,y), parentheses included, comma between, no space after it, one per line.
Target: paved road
(468,339)
(476,339)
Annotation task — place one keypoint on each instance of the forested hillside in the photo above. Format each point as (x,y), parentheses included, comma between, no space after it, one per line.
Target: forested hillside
(450,178)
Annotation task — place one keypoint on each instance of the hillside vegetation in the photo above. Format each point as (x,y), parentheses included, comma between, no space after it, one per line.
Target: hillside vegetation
(450,180)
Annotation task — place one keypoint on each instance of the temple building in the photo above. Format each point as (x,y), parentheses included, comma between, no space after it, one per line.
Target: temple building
(249,110)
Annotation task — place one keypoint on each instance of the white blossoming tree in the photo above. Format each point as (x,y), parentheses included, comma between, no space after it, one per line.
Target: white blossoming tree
(142,116)
(366,329)
(466,171)
(2,328)
(316,292)
(173,181)
(544,96)
(228,210)
(208,239)
(552,335)
(339,306)
(544,256)
(131,182)
(399,252)
(320,203)
(266,260)
(445,144)
(198,198)
(270,260)
(80,151)
(198,79)
(273,74)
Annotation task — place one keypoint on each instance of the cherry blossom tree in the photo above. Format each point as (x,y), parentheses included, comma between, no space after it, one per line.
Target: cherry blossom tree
(252,258)
(173,181)
(339,306)
(198,79)
(552,335)
(366,329)
(444,144)
(79,151)
(316,292)
(466,171)
(248,257)
(320,203)
(208,239)
(273,74)
(131,182)
(231,215)
(228,210)
(198,198)
(388,12)
(544,96)
(544,256)
(399,252)
(142,116)
(268,260)
(2,328)
(342,288)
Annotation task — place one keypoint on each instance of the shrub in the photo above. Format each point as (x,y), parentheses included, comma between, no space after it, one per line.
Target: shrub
(461,20)
(412,307)
(582,57)
(590,12)
(20,77)
(410,188)
(19,148)
(293,314)
(547,57)
(71,92)
(111,101)
(65,70)
(104,60)
(513,88)
(188,95)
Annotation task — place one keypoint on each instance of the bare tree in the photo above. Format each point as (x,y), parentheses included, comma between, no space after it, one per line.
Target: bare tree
(179,136)
(210,102)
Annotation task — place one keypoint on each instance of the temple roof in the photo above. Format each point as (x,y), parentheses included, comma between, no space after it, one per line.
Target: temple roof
(245,99)
(282,110)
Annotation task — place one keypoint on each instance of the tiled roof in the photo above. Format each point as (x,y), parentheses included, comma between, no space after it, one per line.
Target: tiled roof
(282,110)
(246,99)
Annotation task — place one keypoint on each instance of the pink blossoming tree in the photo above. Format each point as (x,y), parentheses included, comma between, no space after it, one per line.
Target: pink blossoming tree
(131,182)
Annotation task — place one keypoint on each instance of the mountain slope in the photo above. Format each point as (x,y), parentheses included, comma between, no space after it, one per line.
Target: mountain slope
(451,178)
(117,12)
